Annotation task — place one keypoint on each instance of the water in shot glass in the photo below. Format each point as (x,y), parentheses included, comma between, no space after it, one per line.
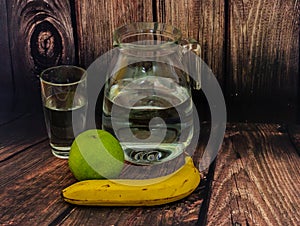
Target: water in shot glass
(64,95)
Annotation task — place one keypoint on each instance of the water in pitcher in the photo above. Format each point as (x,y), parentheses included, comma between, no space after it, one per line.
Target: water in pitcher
(140,104)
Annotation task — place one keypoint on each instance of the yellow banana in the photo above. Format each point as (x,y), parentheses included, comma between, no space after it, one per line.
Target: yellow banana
(127,192)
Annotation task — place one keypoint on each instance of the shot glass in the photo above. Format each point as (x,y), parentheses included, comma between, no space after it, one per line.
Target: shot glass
(64,96)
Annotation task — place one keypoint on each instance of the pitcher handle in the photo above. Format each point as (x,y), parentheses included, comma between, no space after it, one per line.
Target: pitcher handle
(194,46)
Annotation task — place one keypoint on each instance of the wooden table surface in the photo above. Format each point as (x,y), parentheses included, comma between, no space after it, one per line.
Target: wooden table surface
(254,181)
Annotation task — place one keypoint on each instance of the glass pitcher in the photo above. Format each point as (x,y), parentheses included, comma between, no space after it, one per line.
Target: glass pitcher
(147,98)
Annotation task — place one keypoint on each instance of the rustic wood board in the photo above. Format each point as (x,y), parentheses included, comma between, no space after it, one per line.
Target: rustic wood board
(31,182)
(255,182)
(41,35)
(262,63)
(19,133)
(183,212)
(35,185)
(256,179)
(251,46)
(31,177)
(203,21)
(294,133)
(96,21)
(7,92)
(263,49)
(35,188)
(6,84)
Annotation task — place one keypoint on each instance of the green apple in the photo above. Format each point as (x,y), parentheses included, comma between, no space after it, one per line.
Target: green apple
(96,154)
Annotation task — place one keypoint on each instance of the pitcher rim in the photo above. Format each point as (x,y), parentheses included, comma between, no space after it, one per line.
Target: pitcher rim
(136,28)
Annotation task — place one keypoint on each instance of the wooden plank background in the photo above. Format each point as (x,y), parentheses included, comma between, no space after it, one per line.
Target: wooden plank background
(263,47)
(6,85)
(40,35)
(263,58)
(200,20)
(251,46)
(96,21)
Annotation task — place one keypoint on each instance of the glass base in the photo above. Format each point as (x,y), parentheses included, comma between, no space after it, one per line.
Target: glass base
(149,155)
(60,152)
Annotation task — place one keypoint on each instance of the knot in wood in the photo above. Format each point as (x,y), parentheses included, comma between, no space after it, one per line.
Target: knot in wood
(45,43)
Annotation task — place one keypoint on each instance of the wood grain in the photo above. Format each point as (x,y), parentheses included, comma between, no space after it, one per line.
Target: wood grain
(7,83)
(41,36)
(294,133)
(96,21)
(255,182)
(251,46)
(256,179)
(32,179)
(183,212)
(200,20)
(19,133)
(263,49)
(31,182)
